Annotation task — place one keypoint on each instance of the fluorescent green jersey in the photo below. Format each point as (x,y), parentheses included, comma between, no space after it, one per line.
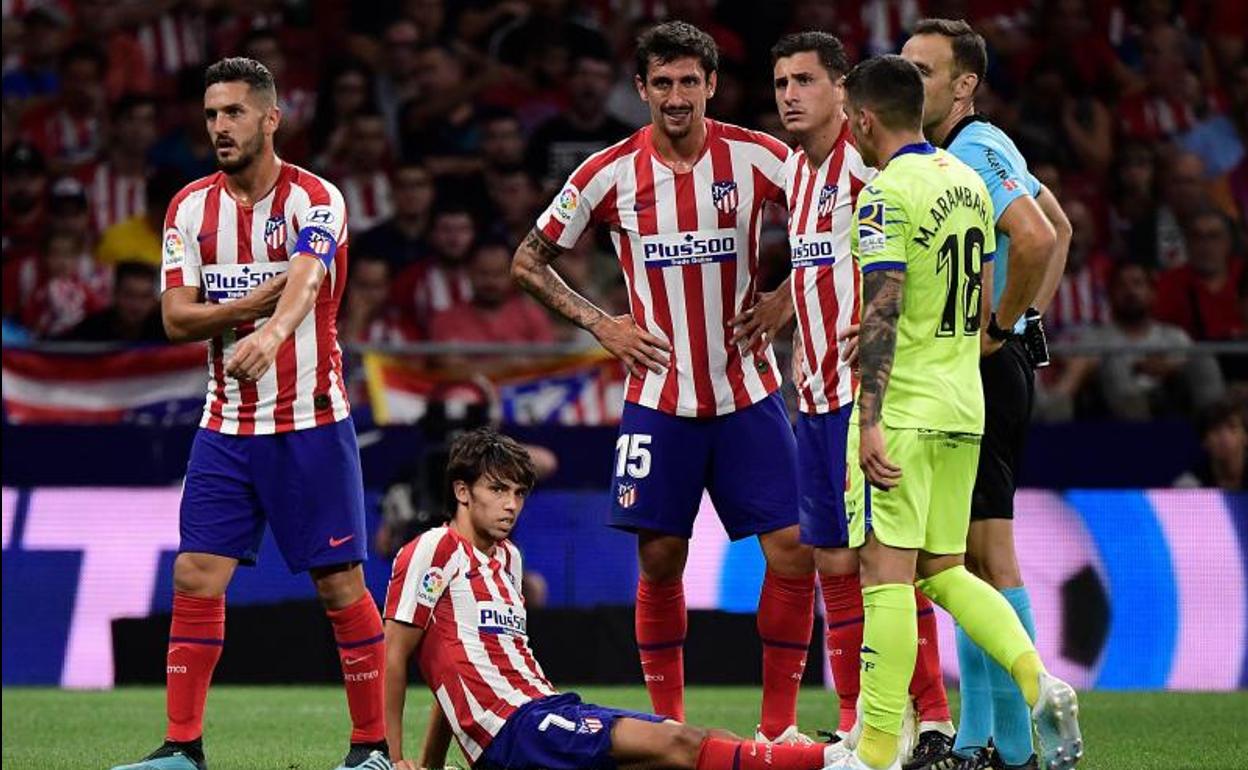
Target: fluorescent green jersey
(929,214)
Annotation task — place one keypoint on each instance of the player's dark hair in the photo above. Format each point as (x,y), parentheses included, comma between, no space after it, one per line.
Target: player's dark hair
(891,87)
(824,45)
(240,69)
(674,40)
(970,53)
(486,452)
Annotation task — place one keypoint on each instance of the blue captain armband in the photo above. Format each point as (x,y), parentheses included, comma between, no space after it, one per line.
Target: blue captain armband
(318,242)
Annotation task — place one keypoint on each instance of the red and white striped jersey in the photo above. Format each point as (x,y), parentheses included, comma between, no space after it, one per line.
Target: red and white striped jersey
(475,654)
(369,199)
(825,279)
(113,197)
(227,249)
(688,246)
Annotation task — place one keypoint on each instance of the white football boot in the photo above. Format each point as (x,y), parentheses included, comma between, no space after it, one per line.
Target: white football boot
(1056,716)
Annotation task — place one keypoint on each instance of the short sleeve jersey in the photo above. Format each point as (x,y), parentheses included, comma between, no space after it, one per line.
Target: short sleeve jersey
(227,249)
(929,214)
(992,154)
(475,655)
(688,245)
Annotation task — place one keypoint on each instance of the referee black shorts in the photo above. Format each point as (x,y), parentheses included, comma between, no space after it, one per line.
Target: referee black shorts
(1009,393)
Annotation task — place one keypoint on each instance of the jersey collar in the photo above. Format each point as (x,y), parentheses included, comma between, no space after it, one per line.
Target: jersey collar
(918,148)
(961,124)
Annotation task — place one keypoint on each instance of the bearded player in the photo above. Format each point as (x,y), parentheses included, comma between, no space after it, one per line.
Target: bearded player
(1033,235)
(255,261)
(822,181)
(682,198)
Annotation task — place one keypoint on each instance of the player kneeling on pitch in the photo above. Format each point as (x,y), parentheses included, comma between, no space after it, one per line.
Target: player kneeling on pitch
(454,602)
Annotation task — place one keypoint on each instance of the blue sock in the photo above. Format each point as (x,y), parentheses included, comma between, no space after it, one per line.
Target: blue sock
(975,714)
(1011,718)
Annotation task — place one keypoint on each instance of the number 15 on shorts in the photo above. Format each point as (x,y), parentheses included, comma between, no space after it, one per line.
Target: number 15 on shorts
(632,455)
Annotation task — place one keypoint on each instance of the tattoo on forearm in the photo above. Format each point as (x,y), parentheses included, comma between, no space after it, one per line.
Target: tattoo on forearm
(540,245)
(540,279)
(877,339)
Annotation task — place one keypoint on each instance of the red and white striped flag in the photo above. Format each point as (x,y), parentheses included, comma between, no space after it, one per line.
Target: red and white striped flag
(98,388)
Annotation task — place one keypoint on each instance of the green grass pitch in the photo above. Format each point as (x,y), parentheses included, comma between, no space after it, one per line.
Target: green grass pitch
(305,728)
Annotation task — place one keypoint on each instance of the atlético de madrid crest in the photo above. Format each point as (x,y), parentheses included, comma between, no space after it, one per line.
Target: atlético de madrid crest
(724,196)
(827,200)
(275,232)
(626,495)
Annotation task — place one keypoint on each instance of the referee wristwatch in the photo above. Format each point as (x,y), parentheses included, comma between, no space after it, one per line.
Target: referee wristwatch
(996,332)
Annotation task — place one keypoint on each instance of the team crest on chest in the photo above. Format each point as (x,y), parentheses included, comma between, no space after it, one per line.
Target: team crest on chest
(827,200)
(724,196)
(275,232)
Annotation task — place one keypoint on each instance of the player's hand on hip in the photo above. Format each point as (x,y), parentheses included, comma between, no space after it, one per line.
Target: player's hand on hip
(755,327)
(848,338)
(873,458)
(637,348)
(252,356)
(262,300)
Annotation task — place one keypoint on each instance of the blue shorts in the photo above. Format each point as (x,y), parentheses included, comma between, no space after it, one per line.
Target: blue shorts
(306,484)
(746,460)
(821,477)
(558,732)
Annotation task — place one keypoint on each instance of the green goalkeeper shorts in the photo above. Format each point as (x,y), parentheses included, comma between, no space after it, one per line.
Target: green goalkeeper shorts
(930,509)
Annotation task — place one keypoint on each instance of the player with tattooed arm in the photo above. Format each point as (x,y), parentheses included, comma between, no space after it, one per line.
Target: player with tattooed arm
(683,199)
(924,238)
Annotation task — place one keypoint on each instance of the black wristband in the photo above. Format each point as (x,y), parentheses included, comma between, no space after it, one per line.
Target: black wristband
(996,332)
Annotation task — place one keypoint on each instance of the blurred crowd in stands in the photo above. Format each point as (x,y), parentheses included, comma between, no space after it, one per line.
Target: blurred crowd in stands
(449,124)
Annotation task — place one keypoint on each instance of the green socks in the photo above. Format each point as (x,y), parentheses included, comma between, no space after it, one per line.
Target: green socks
(890,642)
(987,617)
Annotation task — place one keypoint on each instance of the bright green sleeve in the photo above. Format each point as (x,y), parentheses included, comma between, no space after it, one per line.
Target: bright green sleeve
(881,229)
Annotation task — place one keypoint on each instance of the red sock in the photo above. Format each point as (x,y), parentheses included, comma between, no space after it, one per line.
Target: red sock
(361,649)
(720,754)
(661,625)
(842,602)
(786,613)
(196,636)
(928,684)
